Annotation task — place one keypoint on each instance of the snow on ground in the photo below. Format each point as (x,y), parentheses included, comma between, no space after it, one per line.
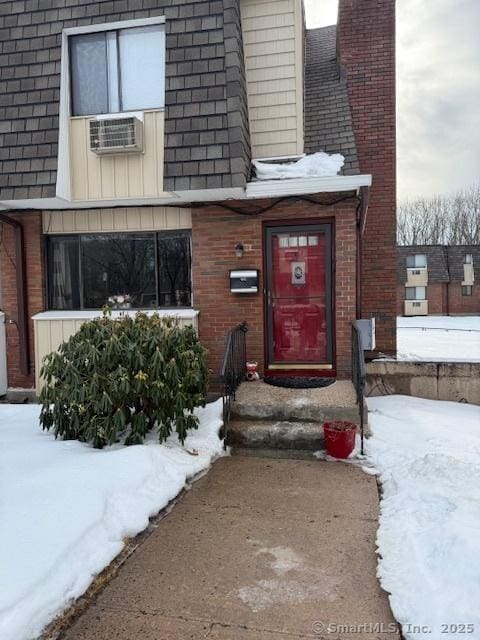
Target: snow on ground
(65,508)
(428,456)
(439,338)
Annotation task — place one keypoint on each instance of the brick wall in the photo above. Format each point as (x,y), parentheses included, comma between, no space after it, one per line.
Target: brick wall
(459,304)
(436,296)
(400,299)
(437,299)
(32,225)
(366,46)
(215,232)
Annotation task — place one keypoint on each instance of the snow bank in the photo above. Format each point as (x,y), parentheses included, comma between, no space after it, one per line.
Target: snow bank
(316,165)
(66,508)
(439,338)
(428,456)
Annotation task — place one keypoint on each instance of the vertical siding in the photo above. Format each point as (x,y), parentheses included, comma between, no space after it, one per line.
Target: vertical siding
(127,175)
(273,36)
(118,219)
(50,333)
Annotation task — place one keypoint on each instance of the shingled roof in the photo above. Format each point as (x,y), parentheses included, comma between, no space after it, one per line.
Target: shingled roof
(445,264)
(437,263)
(328,120)
(456,256)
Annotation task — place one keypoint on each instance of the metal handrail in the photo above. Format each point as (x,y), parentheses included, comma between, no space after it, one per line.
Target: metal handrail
(233,369)
(440,329)
(359,376)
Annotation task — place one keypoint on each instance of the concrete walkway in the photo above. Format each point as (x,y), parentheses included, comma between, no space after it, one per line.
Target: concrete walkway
(259,549)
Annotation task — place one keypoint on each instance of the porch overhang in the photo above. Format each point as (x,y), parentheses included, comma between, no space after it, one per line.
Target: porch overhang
(306,186)
(252,191)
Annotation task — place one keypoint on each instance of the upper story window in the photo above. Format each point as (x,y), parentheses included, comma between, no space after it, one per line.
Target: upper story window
(416,261)
(118,70)
(468,259)
(415,293)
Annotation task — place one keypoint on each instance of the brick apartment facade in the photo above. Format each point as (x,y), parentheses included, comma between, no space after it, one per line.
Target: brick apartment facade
(243,81)
(450,284)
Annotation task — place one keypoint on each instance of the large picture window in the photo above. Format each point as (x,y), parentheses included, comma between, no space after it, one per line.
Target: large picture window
(149,270)
(116,71)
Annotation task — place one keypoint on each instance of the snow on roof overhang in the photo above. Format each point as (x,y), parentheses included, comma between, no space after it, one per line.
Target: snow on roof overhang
(306,186)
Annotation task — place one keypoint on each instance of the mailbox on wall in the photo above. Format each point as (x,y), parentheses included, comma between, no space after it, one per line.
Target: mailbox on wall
(244,281)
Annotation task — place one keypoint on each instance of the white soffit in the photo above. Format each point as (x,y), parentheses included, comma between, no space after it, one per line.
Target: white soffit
(305,186)
(253,190)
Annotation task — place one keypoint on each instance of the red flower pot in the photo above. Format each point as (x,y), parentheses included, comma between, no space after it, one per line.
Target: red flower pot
(339,438)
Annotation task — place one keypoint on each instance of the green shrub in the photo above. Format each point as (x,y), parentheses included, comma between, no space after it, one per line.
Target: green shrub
(118,379)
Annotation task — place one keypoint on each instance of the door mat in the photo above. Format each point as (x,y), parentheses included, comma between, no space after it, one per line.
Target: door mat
(298,382)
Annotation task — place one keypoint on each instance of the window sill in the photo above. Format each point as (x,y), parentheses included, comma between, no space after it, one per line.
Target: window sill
(187,314)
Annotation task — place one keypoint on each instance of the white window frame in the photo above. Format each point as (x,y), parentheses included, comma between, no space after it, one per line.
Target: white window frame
(468,258)
(415,265)
(63,189)
(416,294)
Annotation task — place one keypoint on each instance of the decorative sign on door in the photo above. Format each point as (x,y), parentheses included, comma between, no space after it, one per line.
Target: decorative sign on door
(298,272)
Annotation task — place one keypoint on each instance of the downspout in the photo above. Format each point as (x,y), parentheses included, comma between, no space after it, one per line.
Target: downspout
(362,209)
(21,287)
(447,298)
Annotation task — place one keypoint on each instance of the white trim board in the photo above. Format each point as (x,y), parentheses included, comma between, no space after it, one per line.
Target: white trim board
(63,185)
(116,313)
(253,190)
(112,26)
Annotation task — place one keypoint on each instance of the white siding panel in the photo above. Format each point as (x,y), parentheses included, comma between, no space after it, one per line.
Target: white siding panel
(115,176)
(282,124)
(118,219)
(271,61)
(50,333)
(273,33)
(265,36)
(257,9)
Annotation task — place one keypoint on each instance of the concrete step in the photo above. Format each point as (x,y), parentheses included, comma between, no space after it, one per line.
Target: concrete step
(274,435)
(260,401)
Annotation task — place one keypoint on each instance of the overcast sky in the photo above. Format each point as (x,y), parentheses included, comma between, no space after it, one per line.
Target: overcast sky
(438,91)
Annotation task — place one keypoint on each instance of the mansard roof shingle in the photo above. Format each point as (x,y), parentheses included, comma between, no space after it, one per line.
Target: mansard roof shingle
(328,120)
(444,263)
(456,256)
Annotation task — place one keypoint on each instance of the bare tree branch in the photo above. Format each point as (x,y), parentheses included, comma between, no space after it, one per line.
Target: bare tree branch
(453,219)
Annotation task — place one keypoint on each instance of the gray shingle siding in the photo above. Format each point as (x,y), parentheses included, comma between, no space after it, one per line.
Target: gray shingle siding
(456,255)
(328,120)
(445,264)
(206,126)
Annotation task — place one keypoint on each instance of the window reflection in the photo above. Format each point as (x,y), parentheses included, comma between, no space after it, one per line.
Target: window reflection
(118,265)
(140,270)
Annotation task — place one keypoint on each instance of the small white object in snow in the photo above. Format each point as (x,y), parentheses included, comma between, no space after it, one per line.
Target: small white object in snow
(428,455)
(66,508)
(316,165)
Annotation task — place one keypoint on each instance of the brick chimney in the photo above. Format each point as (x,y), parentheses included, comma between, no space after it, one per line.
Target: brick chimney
(366,52)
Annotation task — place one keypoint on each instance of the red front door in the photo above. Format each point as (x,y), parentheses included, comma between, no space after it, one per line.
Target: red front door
(299,314)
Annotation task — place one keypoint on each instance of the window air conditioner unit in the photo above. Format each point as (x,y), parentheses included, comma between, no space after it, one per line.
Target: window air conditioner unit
(116,135)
